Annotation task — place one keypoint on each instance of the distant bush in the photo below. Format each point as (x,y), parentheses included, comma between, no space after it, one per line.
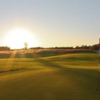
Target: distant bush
(4,48)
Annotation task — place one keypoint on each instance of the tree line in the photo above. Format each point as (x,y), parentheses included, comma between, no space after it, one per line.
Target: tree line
(2,48)
(92,47)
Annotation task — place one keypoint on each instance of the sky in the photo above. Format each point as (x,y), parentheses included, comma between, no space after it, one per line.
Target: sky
(53,22)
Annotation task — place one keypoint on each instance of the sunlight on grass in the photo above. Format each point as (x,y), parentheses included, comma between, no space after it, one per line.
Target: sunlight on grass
(42,78)
(10,61)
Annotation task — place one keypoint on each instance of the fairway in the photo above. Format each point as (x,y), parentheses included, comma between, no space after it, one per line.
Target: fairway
(57,77)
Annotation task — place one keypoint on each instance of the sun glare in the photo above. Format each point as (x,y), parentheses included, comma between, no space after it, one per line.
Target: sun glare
(16,38)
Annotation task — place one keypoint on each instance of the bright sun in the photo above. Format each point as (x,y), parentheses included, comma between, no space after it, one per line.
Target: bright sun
(16,38)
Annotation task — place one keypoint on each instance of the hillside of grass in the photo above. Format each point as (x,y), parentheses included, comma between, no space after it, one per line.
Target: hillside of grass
(57,77)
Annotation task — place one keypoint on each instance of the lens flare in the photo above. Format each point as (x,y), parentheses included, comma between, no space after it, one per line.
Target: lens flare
(16,39)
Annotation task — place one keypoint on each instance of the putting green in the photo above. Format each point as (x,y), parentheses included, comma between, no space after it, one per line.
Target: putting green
(59,77)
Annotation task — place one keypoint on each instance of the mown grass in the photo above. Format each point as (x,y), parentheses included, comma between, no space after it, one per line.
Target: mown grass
(55,77)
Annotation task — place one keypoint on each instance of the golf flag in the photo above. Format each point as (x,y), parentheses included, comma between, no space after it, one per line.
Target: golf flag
(98,68)
(99,43)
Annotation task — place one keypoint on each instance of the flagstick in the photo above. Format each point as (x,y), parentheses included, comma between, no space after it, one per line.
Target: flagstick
(98,68)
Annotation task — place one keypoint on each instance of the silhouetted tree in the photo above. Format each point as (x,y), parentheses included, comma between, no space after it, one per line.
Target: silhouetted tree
(26,45)
(95,47)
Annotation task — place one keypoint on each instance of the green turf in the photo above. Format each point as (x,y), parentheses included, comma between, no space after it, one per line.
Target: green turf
(58,77)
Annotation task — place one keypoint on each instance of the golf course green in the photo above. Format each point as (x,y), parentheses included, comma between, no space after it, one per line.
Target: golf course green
(71,76)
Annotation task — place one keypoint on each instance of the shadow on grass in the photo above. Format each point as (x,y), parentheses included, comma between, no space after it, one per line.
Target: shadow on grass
(79,72)
(29,55)
(48,63)
(19,69)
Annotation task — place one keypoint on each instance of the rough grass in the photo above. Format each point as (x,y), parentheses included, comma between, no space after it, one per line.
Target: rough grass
(58,77)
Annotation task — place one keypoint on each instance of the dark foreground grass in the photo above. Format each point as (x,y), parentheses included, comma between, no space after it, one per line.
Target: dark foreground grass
(60,77)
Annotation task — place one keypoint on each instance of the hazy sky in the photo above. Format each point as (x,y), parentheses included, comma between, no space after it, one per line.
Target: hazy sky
(54,22)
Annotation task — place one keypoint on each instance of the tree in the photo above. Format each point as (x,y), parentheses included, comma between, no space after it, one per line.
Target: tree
(26,45)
